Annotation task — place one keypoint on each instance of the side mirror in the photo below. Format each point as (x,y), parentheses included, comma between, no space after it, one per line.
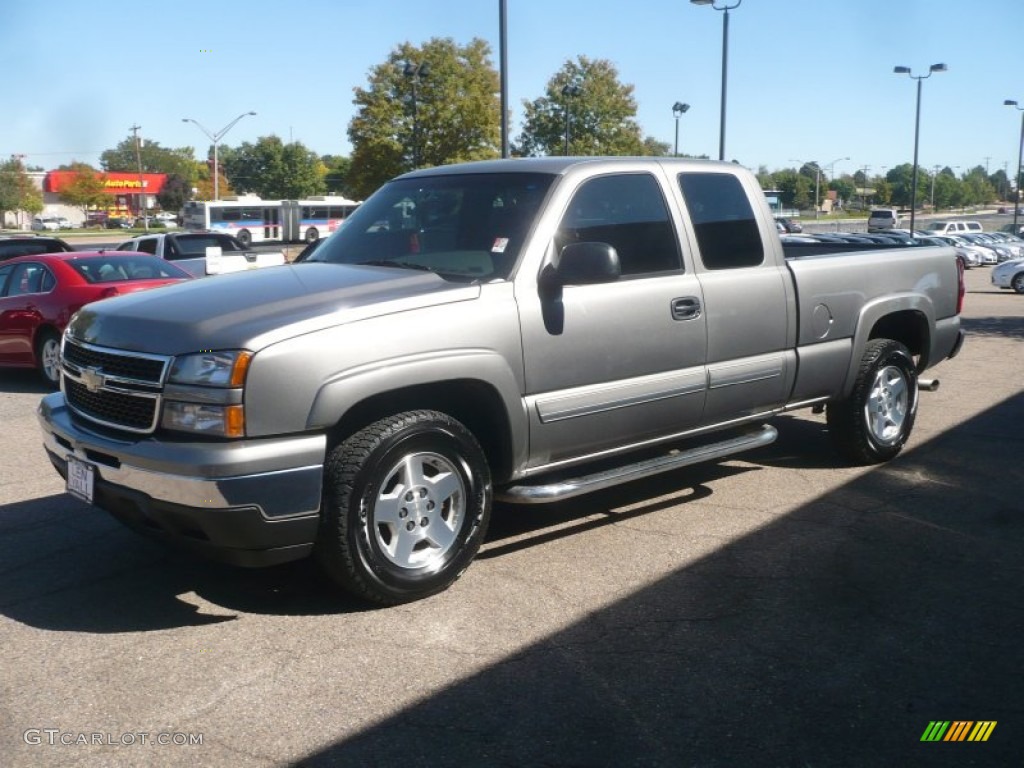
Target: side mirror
(582,264)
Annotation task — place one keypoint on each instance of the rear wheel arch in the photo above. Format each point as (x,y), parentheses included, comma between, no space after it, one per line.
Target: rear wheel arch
(910,328)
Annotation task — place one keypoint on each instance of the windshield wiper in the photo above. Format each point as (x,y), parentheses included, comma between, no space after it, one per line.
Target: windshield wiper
(393,263)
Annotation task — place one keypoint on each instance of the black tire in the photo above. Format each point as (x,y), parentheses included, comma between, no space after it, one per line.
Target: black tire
(1018,282)
(406,505)
(48,358)
(873,424)
(312,235)
(244,237)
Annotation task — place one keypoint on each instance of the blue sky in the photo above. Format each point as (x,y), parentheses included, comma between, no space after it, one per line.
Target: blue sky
(808,79)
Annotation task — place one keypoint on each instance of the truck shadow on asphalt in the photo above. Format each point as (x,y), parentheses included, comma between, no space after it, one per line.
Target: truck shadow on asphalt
(22,381)
(1002,327)
(71,567)
(832,636)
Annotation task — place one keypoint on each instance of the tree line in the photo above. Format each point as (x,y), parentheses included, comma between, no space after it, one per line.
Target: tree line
(438,103)
(938,188)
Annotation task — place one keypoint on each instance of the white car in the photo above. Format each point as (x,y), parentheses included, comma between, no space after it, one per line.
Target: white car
(1009,274)
(48,224)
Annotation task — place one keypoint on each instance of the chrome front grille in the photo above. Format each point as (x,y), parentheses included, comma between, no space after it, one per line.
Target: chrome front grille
(143,369)
(121,390)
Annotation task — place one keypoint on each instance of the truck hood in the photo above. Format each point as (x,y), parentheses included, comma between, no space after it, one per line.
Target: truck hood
(252,310)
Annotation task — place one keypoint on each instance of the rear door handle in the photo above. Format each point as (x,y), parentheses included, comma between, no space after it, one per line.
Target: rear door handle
(686,308)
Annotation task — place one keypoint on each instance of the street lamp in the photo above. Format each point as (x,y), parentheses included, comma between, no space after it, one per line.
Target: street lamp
(935,173)
(678,110)
(569,89)
(415,72)
(725,63)
(917,128)
(817,180)
(215,138)
(1020,153)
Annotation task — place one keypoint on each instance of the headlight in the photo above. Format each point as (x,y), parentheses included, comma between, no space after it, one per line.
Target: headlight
(211,369)
(219,420)
(204,394)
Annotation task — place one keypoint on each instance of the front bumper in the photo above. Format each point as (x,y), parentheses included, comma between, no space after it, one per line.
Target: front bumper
(250,502)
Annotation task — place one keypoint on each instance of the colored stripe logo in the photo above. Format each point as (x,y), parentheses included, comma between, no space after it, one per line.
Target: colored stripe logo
(958,730)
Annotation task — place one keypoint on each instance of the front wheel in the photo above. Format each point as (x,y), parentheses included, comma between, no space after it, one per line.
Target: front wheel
(312,235)
(244,237)
(405,507)
(873,424)
(1018,282)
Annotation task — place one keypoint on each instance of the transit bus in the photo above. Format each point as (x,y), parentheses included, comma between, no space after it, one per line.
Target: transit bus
(252,219)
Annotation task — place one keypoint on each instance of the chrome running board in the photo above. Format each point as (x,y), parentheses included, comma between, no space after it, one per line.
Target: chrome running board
(543,493)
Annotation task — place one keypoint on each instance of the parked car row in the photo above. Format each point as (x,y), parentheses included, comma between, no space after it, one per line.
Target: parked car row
(974,249)
(39,293)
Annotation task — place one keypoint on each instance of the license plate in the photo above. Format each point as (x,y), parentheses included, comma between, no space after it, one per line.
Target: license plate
(81,479)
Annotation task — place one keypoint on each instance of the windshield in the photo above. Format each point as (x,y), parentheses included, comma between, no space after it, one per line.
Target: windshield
(191,246)
(466,227)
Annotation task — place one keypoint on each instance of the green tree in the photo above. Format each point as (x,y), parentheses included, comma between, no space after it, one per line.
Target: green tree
(796,190)
(336,171)
(601,113)
(17,192)
(883,191)
(978,190)
(947,189)
(844,187)
(272,169)
(900,179)
(155,159)
(86,190)
(177,189)
(1001,184)
(657,148)
(449,112)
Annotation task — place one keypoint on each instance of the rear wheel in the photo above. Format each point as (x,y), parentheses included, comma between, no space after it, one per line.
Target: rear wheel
(245,237)
(48,357)
(873,424)
(312,235)
(405,509)
(1018,282)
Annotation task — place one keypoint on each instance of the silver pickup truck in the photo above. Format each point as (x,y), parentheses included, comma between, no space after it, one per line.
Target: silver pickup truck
(529,330)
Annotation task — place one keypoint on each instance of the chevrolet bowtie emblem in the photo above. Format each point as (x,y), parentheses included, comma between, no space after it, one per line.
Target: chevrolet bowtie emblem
(92,379)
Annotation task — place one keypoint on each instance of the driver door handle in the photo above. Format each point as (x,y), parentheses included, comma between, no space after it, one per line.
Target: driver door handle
(686,308)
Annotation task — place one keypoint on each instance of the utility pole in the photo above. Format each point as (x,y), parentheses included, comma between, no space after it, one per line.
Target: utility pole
(142,187)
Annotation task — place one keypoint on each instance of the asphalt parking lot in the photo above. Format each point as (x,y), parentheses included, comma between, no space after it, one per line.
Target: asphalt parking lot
(776,609)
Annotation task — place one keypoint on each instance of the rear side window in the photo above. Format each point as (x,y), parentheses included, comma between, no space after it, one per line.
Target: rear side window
(628,212)
(723,220)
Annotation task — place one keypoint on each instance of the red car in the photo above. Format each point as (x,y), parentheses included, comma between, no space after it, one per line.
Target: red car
(40,293)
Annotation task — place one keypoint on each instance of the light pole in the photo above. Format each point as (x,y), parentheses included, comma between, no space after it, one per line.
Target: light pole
(678,110)
(832,167)
(917,129)
(1020,153)
(415,72)
(568,90)
(725,63)
(142,187)
(215,138)
(935,173)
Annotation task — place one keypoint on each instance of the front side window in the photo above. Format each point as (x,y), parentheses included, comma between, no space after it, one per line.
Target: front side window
(723,220)
(628,212)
